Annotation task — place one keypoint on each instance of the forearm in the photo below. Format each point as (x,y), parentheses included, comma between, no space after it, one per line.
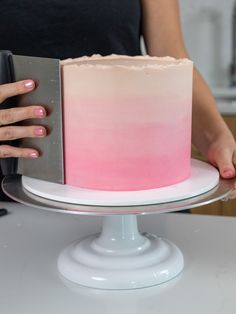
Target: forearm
(207,123)
(161,28)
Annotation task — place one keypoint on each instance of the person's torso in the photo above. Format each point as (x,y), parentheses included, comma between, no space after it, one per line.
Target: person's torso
(71,28)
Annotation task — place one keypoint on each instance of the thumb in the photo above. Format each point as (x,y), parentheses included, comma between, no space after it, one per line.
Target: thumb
(224,162)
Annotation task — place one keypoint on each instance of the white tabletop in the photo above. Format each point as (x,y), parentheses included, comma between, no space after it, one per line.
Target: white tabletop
(31,240)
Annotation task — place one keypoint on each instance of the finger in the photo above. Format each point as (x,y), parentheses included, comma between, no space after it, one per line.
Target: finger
(14,132)
(224,161)
(8,116)
(13,89)
(10,151)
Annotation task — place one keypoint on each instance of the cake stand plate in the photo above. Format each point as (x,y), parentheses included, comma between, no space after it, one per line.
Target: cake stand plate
(203,178)
(120,257)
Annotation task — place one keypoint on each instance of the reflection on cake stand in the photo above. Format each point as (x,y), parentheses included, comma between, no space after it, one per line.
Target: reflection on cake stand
(120,257)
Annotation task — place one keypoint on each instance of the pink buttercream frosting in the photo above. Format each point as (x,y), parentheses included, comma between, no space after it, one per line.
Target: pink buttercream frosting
(127,121)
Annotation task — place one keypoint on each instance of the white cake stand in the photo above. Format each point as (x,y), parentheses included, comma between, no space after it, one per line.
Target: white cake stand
(120,257)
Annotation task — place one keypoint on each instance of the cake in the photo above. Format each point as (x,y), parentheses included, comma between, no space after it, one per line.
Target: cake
(127,121)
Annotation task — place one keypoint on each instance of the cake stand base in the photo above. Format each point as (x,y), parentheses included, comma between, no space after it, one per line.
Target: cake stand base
(120,257)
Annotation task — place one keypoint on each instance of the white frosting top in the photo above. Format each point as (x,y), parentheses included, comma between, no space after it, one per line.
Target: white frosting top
(122,61)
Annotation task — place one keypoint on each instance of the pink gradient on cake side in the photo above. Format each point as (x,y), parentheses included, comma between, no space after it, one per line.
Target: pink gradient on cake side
(110,150)
(127,121)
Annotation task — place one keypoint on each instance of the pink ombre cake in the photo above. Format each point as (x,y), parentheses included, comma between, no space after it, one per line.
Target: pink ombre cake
(127,121)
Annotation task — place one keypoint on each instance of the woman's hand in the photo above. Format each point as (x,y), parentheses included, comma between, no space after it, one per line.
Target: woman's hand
(10,116)
(222,154)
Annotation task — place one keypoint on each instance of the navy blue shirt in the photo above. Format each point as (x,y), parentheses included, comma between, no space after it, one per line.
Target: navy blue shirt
(70,28)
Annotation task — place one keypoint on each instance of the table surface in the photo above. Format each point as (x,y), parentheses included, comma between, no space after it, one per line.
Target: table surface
(31,240)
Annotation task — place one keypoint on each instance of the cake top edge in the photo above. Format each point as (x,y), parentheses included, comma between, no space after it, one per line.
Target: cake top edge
(123,61)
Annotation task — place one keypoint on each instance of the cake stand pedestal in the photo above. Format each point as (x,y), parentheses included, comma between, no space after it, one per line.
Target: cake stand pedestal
(120,257)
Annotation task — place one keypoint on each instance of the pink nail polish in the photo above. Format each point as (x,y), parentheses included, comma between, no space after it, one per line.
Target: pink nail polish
(29,84)
(39,132)
(228,173)
(34,155)
(40,112)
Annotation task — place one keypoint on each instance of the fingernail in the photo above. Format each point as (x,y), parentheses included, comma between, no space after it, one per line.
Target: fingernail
(34,155)
(40,112)
(228,173)
(40,132)
(29,84)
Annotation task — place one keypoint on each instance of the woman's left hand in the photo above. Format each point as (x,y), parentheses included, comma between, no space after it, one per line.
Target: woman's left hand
(222,154)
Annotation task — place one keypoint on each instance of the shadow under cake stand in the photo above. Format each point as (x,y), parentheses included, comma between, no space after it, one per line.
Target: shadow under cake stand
(120,257)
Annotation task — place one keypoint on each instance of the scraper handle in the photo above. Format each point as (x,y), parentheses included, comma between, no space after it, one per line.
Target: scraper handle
(6,67)
(7,165)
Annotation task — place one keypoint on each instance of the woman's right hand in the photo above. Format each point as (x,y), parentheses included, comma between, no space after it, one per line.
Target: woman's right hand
(10,116)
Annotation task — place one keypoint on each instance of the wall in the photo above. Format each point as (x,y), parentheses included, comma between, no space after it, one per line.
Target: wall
(207,28)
